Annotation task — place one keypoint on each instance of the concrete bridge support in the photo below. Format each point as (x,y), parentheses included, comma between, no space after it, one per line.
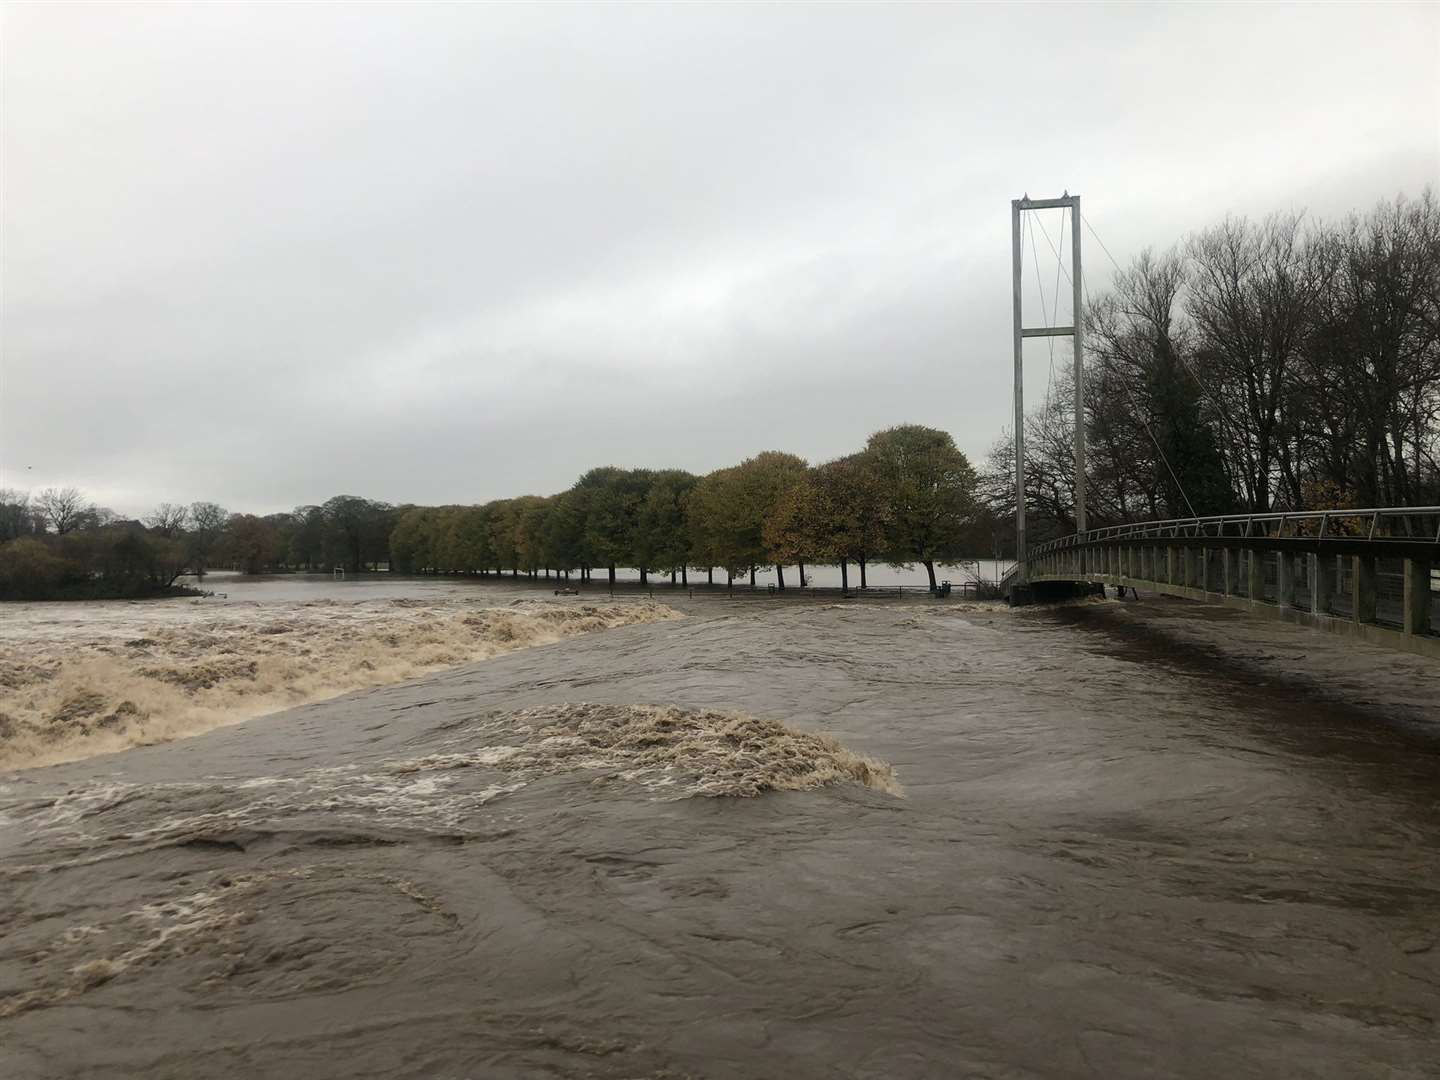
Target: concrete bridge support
(1417,596)
(1362,589)
(1285,591)
(1227,569)
(1322,583)
(1255,578)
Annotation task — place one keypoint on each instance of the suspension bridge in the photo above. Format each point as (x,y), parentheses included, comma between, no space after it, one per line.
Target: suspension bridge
(1370,573)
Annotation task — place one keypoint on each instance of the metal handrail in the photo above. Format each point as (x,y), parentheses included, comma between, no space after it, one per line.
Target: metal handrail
(1201,526)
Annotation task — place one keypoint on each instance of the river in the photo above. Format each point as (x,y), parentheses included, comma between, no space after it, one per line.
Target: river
(1109,839)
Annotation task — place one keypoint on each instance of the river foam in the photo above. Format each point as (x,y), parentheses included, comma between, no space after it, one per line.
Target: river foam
(146,673)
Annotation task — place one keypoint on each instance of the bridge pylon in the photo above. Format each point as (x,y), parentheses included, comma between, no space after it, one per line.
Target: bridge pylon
(1076,332)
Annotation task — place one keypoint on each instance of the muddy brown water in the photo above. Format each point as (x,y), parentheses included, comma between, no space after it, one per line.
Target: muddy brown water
(1150,840)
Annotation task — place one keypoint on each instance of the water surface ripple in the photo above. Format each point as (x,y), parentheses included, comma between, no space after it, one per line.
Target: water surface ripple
(1121,850)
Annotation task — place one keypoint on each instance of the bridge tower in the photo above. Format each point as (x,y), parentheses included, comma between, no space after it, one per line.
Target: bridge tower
(1077,333)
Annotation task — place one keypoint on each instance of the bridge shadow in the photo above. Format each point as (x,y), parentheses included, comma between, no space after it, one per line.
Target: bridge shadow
(1314,713)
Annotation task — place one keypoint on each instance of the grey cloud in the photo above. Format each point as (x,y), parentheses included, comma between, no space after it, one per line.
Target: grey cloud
(263,254)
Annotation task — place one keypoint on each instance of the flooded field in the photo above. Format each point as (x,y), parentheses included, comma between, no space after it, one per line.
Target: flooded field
(770,839)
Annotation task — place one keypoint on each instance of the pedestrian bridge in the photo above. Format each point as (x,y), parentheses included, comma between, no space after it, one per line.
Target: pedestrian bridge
(1374,574)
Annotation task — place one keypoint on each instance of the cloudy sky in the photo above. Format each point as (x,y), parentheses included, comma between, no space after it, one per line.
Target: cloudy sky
(264,254)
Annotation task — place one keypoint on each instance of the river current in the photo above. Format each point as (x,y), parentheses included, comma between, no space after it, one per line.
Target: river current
(771,838)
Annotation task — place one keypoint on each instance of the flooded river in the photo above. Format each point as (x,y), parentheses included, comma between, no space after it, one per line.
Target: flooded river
(771,838)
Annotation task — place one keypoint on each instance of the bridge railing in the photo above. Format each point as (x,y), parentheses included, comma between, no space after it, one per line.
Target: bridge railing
(1409,523)
(1367,571)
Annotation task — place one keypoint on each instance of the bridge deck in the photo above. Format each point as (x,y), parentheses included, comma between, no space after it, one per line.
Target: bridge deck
(1370,573)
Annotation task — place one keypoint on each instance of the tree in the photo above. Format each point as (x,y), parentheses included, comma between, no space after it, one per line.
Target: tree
(759,483)
(356,531)
(63,509)
(662,531)
(250,543)
(307,538)
(929,487)
(792,532)
(29,570)
(466,543)
(168,519)
(207,523)
(1371,381)
(17,516)
(1252,293)
(503,521)
(849,514)
(413,545)
(565,530)
(612,518)
(717,524)
(1151,428)
(531,512)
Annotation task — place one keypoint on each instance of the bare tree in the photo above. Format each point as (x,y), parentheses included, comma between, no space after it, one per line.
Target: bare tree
(1252,295)
(168,519)
(1373,371)
(64,509)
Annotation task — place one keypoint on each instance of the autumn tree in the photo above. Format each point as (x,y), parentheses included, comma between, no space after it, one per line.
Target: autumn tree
(718,524)
(760,483)
(849,513)
(929,488)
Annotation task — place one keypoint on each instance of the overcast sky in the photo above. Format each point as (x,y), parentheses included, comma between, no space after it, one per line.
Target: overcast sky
(266,254)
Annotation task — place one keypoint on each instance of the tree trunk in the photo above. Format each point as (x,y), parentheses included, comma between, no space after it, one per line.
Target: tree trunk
(844,574)
(685,576)
(672,575)
(644,576)
(752,577)
(930,569)
(801,567)
(729,580)
(710,575)
(780,575)
(612,575)
(862,573)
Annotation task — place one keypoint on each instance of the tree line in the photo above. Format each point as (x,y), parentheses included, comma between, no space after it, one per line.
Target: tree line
(1257,365)
(57,544)
(909,496)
